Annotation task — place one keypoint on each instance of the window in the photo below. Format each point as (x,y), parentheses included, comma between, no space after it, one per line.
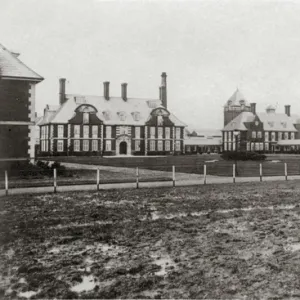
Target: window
(85,131)
(225,136)
(136,116)
(160,146)
(85,118)
(60,131)
(77,131)
(266,136)
(259,134)
(152,145)
(273,136)
(254,134)
(60,146)
(266,146)
(167,132)
(178,145)
(229,146)
(76,145)
(292,135)
(94,145)
(225,146)
(137,132)
(122,116)
(152,132)
(167,146)
(279,136)
(108,132)
(137,145)
(252,146)
(86,145)
(160,121)
(160,132)
(229,137)
(47,132)
(261,146)
(95,131)
(248,146)
(47,146)
(286,135)
(123,130)
(43,146)
(178,133)
(256,146)
(108,145)
(233,146)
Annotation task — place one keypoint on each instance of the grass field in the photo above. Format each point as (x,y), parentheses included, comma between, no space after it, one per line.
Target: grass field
(215,241)
(273,166)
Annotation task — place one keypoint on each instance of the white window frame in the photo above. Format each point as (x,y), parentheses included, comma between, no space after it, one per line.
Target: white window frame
(107,145)
(76,145)
(160,132)
(266,136)
(77,131)
(137,145)
(86,131)
(178,145)
(160,121)
(137,132)
(225,146)
(94,145)
(167,146)
(292,135)
(286,135)
(229,146)
(254,134)
(152,145)
(273,136)
(60,145)
(178,133)
(279,134)
(160,146)
(108,132)
(167,132)
(85,146)
(259,134)
(60,131)
(86,118)
(266,146)
(95,131)
(152,132)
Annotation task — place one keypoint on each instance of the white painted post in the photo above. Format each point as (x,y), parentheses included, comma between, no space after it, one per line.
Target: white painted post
(173,171)
(6,183)
(285,171)
(233,173)
(137,177)
(260,172)
(204,173)
(98,179)
(54,180)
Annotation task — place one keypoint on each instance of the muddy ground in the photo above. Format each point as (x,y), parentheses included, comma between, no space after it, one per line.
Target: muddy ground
(215,241)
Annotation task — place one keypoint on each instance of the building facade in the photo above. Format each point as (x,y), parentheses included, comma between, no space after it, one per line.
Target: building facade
(248,130)
(17,107)
(105,125)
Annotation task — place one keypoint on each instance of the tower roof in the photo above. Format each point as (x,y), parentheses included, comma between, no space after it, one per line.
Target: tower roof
(237,99)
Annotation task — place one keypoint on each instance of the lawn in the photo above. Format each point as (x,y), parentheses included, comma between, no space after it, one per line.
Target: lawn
(214,241)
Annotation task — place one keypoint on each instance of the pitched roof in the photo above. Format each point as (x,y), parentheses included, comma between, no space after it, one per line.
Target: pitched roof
(238,122)
(235,99)
(199,141)
(206,132)
(277,121)
(114,106)
(12,67)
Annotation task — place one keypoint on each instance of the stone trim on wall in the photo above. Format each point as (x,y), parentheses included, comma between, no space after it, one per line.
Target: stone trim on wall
(31,115)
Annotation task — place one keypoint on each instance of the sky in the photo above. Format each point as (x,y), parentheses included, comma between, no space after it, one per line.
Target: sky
(207,48)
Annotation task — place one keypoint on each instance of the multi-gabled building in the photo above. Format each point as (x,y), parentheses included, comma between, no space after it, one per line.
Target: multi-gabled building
(105,125)
(17,107)
(248,130)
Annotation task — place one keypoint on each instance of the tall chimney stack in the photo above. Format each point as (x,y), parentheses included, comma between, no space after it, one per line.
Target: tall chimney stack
(106,90)
(253,108)
(287,109)
(163,89)
(62,91)
(124,91)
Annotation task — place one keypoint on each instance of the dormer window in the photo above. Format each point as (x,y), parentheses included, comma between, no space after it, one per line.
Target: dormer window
(107,115)
(86,118)
(271,124)
(283,124)
(136,116)
(160,121)
(122,116)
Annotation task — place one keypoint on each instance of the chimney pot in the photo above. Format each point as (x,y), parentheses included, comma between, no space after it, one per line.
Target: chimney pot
(124,91)
(253,108)
(287,110)
(62,91)
(106,90)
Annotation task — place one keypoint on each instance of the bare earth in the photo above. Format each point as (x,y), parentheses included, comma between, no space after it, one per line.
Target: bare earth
(214,241)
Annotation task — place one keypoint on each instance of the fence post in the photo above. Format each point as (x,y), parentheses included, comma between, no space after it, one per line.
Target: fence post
(98,178)
(6,183)
(233,173)
(204,173)
(173,177)
(260,172)
(54,180)
(137,177)
(285,171)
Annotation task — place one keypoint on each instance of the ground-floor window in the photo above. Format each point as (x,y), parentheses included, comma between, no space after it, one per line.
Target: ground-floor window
(225,146)
(167,146)
(229,146)
(95,145)
(188,148)
(108,145)
(266,146)
(137,145)
(76,145)
(160,146)
(152,145)
(85,145)
(60,146)
(178,145)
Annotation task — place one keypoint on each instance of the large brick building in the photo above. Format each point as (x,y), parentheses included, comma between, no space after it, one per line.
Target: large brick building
(105,125)
(17,107)
(248,130)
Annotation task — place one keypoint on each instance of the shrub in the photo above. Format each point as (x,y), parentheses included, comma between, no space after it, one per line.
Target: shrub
(234,155)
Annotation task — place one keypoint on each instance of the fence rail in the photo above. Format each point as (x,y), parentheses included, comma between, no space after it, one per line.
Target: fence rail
(94,176)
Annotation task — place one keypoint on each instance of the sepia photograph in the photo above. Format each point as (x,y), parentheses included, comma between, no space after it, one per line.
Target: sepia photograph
(149,149)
